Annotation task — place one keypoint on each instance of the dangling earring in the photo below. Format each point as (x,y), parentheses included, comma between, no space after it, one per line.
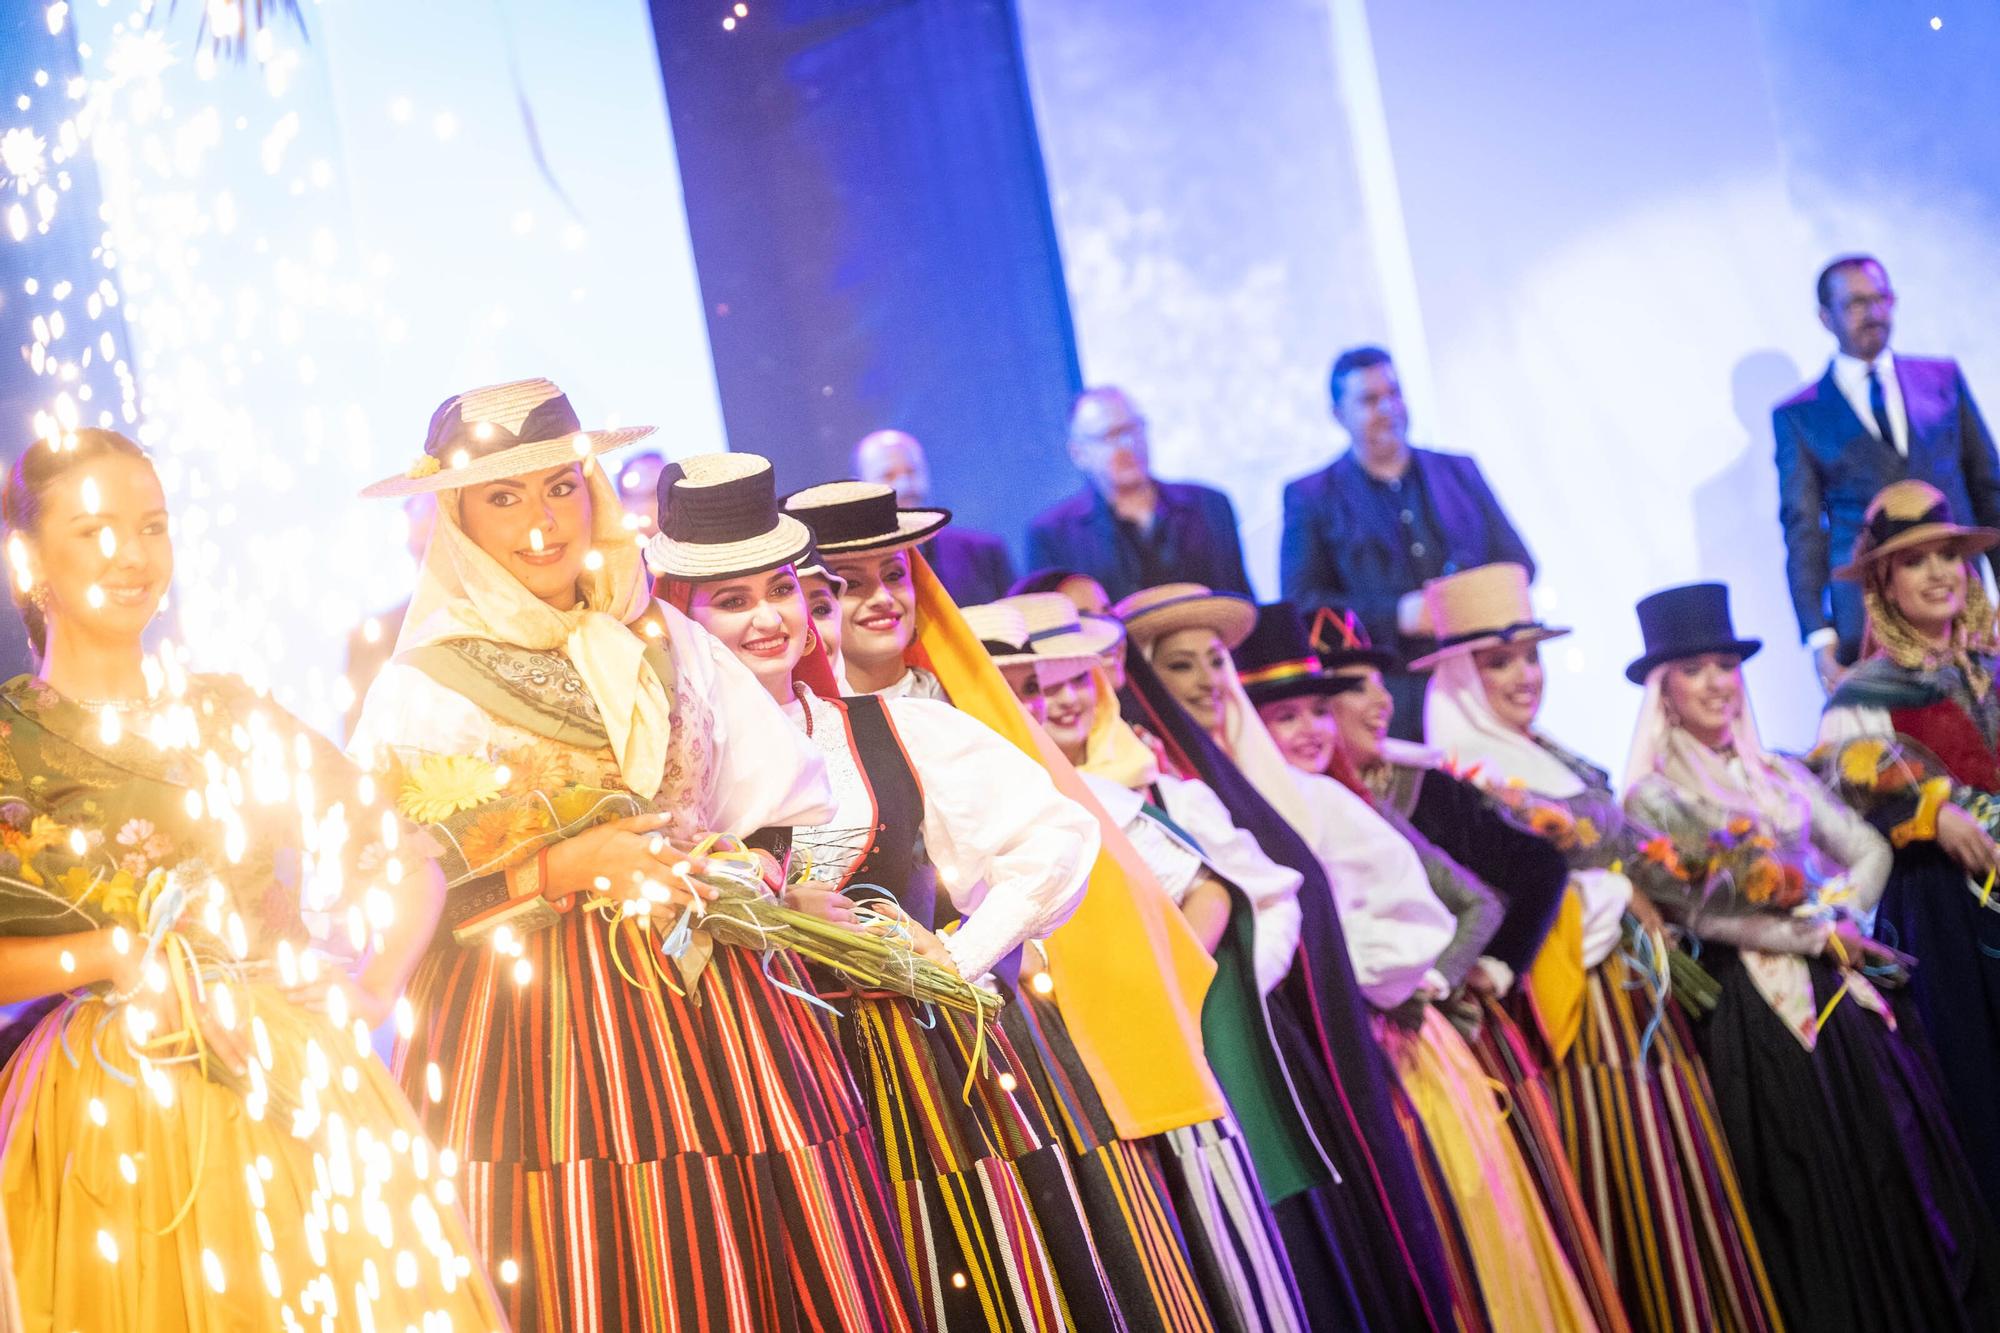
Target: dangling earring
(812,637)
(38,597)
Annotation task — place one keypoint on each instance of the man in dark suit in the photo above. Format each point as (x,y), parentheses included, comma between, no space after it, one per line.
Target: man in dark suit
(1126,528)
(1871,419)
(1368,530)
(972,565)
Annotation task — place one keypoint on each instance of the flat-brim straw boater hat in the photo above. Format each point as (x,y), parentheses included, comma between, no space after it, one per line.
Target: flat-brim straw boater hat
(500,431)
(1002,631)
(1059,633)
(1905,514)
(719,519)
(852,516)
(1153,613)
(1481,608)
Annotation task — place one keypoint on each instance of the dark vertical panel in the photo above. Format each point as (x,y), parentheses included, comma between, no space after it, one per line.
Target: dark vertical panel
(64,251)
(872,231)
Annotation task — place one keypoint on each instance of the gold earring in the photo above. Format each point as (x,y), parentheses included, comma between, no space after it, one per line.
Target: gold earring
(38,596)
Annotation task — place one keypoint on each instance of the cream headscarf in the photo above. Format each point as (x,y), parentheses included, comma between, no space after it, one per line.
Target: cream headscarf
(464,593)
(1761,790)
(1113,751)
(1459,721)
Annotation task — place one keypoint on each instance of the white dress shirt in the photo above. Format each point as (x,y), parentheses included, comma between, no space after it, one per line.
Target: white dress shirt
(1851,374)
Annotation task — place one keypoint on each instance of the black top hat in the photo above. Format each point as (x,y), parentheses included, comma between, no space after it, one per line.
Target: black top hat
(1277,661)
(1686,622)
(1341,640)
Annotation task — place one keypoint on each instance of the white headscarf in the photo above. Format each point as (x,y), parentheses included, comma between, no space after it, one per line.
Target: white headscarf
(1396,927)
(1757,786)
(1459,721)
(464,593)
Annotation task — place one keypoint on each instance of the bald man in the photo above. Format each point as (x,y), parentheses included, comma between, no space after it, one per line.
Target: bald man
(973,566)
(1127,529)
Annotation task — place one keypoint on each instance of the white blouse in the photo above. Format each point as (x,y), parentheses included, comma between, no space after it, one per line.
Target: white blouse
(1273,890)
(1396,927)
(1011,852)
(763,773)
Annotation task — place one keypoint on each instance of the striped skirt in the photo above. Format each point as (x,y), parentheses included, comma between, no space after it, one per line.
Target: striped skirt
(1506,1055)
(639,1158)
(1527,1281)
(954,1149)
(1640,1129)
(1135,1230)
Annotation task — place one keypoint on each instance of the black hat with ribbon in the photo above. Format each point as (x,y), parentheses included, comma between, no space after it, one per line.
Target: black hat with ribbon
(719,519)
(861,516)
(1277,661)
(1341,641)
(501,431)
(1687,621)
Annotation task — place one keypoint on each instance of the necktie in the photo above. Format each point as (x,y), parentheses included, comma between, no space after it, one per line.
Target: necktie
(1879,405)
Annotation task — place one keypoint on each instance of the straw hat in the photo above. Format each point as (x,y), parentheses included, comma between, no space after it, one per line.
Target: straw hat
(1002,630)
(1481,608)
(812,565)
(719,519)
(1153,613)
(1058,631)
(503,430)
(1277,661)
(1905,514)
(861,516)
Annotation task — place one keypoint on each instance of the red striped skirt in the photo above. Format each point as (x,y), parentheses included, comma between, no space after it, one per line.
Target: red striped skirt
(638,1158)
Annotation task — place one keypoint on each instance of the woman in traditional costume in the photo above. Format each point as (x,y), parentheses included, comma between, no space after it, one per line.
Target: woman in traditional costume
(1640,1128)
(1852,1175)
(1242,907)
(199,1135)
(1407,950)
(937,818)
(1912,739)
(647,1142)
(1108,1036)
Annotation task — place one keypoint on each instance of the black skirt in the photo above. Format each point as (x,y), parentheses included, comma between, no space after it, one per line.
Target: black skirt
(1927,910)
(1853,1177)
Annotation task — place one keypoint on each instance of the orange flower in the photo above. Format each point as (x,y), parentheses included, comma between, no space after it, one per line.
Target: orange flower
(1741,825)
(1662,852)
(1553,824)
(495,837)
(1586,833)
(1794,891)
(544,768)
(1763,881)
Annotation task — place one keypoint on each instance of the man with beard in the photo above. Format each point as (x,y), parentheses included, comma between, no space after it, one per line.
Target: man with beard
(1873,418)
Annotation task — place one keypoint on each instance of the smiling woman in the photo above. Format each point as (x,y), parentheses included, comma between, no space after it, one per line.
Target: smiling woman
(536,527)
(163,917)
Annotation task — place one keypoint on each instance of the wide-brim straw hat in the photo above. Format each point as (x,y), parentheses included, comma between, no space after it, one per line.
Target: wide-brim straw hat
(1905,514)
(848,516)
(1058,632)
(1003,631)
(1168,608)
(500,431)
(719,519)
(1481,608)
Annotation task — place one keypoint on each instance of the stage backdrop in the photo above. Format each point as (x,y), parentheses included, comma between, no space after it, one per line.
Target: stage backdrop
(865,194)
(1593,251)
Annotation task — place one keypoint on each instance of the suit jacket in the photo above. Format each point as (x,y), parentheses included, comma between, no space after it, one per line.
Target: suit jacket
(1196,527)
(1830,466)
(1340,551)
(973,566)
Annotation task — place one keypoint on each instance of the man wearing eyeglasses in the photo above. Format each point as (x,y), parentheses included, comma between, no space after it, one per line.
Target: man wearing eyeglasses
(1871,419)
(1127,529)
